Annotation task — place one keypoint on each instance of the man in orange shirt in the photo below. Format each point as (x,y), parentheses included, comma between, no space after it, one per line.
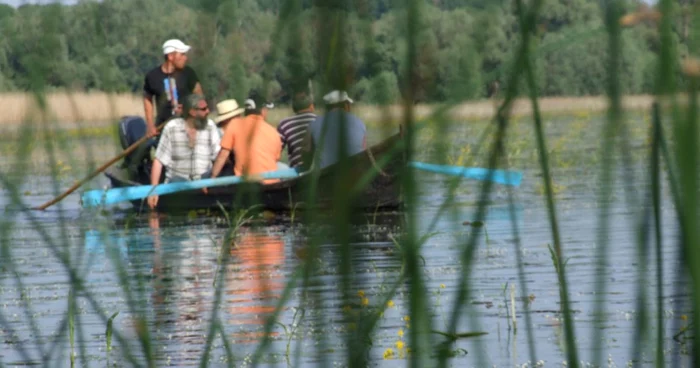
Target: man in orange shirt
(256,144)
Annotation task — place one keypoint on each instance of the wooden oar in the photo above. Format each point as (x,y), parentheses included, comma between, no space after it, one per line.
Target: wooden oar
(507,177)
(102,168)
(99,197)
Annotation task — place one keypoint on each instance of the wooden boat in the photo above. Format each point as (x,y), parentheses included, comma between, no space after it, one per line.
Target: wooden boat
(336,186)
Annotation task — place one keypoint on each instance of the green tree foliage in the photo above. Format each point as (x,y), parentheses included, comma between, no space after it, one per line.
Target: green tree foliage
(581,70)
(280,45)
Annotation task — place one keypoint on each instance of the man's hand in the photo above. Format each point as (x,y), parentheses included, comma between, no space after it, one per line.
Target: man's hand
(153,201)
(151,130)
(205,191)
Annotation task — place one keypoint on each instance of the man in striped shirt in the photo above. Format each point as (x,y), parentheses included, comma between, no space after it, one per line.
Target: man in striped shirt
(293,129)
(187,147)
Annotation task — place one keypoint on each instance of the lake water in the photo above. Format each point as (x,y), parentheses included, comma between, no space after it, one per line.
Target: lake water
(165,269)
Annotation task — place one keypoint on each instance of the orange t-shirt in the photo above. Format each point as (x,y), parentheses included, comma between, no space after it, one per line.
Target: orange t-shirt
(256,145)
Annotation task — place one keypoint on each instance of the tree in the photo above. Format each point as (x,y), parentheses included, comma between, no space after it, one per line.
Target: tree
(460,72)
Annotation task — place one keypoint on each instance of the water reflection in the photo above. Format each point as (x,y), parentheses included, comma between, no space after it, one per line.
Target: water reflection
(254,282)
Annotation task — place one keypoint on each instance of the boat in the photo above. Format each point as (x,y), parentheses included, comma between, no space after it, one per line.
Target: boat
(374,170)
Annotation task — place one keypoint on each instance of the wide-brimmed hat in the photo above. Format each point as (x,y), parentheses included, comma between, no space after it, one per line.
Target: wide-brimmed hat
(227,109)
(175,45)
(336,97)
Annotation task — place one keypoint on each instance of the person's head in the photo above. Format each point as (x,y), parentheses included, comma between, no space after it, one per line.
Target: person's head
(337,100)
(196,110)
(226,111)
(302,101)
(256,104)
(175,52)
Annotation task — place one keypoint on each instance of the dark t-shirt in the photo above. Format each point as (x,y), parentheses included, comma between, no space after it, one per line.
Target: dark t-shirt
(156,82)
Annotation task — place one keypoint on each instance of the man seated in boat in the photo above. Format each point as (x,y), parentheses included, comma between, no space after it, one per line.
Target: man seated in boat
(326,132)
(228,112)
(256,144)
(187,146)
(293,129)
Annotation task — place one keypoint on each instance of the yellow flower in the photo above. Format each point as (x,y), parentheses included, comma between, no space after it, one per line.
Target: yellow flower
(361,294)
(388,353)
(399,344)
(347,308)
(684,317)
(442,286)
(407,318)
(365,301)
(400,333)
(390,304)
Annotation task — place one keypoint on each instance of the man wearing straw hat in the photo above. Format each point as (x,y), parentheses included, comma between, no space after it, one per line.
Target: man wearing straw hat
(228,113)
(169,84)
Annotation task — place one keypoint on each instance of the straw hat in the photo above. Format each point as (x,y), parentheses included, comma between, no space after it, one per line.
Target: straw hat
(227,109)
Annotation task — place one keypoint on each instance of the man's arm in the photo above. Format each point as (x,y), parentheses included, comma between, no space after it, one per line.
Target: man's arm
(220,162)
(155,179)
(148,112)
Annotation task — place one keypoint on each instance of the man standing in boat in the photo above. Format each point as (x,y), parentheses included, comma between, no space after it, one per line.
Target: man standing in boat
(169,84)
(337,134)
(293,129)
(187,147)
(256,144)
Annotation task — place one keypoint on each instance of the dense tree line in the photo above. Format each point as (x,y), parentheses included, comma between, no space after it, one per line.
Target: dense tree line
(464,46)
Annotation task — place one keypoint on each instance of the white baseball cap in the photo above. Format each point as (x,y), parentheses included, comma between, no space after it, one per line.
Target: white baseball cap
(335,97)
(175,45)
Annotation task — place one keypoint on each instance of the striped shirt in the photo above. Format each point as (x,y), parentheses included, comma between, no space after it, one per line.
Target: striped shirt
(292,130)
(175,154)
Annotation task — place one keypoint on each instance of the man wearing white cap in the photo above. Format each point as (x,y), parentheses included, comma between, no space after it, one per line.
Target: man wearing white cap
(327,135)
(169,83)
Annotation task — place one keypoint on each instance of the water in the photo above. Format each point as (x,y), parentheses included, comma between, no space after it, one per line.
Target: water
(171,264)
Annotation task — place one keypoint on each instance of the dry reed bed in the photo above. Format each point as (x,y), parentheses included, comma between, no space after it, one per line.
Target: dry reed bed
(65,109)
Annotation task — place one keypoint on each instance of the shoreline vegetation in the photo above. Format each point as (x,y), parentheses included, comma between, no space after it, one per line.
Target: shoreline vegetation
(72,110)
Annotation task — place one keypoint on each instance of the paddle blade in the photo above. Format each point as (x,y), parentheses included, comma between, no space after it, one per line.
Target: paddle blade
(507,177)
(97,197)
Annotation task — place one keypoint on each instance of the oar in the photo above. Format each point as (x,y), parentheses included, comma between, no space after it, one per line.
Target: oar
(110,196)
(507,177)
(100,169)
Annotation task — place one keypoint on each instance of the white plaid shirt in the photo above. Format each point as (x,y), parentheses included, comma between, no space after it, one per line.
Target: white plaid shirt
(175,154)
